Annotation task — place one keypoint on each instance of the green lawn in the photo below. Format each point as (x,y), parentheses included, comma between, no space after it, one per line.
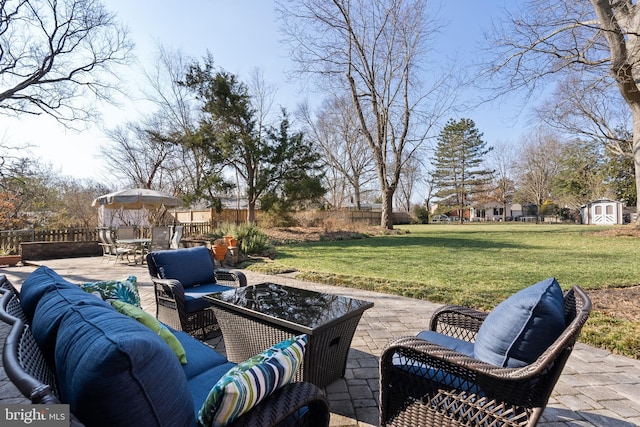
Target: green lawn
(479,265)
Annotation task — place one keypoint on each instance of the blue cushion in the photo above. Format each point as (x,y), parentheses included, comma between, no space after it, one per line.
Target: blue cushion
(193,300)
(51,310)
(38,283)
(444,378)
(461,346)
(201,357)
(190,266)
(114,371)
(523,326)
(201,384)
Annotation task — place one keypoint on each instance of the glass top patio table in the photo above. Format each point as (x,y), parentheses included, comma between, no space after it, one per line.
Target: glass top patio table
(308,311)
(253,318)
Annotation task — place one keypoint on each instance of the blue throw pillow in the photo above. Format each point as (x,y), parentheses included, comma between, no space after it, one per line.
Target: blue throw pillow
(248,383)
(38,283)
(190,266)
(523,326)
(50,311)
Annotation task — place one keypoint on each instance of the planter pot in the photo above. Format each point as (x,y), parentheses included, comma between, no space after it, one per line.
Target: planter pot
(219,252)
(231,241)
(10,260)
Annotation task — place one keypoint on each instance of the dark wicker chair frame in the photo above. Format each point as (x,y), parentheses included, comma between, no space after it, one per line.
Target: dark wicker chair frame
(429,385)
(26,368)
(170,302)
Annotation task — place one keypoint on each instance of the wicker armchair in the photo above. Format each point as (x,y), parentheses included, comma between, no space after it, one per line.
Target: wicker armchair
(296,404)
(175,302)
(425,384)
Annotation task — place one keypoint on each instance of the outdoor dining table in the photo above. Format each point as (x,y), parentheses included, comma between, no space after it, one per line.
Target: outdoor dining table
(253,318)
(140,246)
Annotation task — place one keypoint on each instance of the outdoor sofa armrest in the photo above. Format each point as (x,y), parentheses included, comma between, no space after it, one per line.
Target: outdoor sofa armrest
(230,277)
(457,322)
(287,402)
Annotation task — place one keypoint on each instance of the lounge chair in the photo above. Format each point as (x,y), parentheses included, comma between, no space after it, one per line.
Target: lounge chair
(455,374)
(181,278)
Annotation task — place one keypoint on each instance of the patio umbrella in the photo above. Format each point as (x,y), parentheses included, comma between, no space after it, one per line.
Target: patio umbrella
(136,198)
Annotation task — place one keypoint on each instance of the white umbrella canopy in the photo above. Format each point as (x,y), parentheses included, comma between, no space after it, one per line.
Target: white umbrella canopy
(136,198)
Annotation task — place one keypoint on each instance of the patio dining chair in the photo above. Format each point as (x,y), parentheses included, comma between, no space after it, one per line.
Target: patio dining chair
(118,252)
(176,236)
(473,368)
(160,238)
(107,251)
(126,232)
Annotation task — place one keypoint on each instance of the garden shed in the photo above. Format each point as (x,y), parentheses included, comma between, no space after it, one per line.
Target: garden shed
(602,212)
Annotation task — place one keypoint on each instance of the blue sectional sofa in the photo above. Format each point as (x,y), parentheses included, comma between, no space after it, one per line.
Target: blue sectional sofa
(114,371)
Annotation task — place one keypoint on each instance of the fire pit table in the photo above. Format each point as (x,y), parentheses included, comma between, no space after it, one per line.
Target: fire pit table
(253,318)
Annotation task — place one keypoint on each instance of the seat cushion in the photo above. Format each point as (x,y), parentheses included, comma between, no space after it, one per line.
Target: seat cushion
(190,266)
(200,385)
(248,383)
(193,300)
(114,371)
(523,326)
(461,346)
(152,323)
(201,357)
(108,290)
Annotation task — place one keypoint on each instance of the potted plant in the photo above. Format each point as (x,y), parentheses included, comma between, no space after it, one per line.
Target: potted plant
(231,241)
(219,249)
(8,259)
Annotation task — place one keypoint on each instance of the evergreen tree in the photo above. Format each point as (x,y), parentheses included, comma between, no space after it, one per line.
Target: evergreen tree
(458,159)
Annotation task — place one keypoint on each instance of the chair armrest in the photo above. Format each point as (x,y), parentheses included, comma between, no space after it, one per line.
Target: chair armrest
(286,402)
(421,362)
(458,322)
(236,277)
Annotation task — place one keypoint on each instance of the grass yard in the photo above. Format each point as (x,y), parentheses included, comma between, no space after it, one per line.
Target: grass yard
(479,265)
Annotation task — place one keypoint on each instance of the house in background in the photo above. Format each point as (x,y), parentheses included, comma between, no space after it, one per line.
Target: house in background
(602,212)
(494,211)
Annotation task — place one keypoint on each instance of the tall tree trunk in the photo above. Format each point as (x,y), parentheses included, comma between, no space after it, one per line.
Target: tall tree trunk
(386,220)
(636,157)
(251,211)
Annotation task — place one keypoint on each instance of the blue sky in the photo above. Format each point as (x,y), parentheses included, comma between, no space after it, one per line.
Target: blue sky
(241,35)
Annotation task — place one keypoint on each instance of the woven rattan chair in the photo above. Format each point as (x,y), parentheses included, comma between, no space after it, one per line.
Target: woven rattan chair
(172,307)
(425,384)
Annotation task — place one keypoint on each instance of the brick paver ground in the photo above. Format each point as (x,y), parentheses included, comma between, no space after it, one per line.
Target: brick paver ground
(597,388)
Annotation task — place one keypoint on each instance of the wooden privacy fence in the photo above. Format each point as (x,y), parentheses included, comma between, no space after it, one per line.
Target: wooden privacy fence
(196,223)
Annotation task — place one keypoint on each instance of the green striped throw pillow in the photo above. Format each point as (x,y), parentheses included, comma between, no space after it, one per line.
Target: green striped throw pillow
(248,383)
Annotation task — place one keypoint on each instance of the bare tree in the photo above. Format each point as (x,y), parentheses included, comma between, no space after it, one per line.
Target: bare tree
(409,178)
(538,165)
(336,132)
(55,54)
(373,50)
(502,160)
(599,114)
(594,42)
(136,157)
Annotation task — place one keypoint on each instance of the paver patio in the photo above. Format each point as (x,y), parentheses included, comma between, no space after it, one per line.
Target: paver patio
(597,388)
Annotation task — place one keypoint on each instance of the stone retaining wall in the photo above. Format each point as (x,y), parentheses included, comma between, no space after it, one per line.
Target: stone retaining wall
(52,250)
